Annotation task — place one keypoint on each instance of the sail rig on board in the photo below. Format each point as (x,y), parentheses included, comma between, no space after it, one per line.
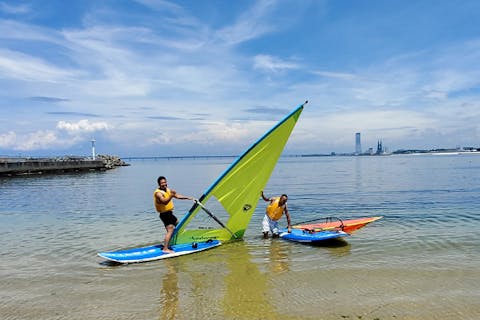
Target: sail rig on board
(231,200)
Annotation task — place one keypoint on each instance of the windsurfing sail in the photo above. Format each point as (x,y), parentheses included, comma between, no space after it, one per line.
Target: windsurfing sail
(232,199)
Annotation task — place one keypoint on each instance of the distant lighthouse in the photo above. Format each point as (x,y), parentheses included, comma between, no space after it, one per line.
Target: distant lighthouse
(93,149)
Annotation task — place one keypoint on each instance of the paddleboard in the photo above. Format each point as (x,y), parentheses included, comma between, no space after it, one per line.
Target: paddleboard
(305,236)
(155,252)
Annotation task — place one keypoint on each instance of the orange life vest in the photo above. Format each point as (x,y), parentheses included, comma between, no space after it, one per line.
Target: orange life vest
(160,207)
(274,210)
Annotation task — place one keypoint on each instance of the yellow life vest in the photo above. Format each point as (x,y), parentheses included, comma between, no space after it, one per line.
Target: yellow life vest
(160,206)
(275,211)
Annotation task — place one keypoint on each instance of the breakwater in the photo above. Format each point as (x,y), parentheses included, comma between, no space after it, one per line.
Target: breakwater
(23,166)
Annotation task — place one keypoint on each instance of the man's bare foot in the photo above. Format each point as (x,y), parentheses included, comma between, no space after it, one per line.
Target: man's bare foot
(168,251)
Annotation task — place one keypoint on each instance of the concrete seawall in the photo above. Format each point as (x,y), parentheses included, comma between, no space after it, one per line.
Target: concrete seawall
(22,166)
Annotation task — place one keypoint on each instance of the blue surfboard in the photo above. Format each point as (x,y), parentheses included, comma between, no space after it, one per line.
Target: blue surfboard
(150,253)
(305,236)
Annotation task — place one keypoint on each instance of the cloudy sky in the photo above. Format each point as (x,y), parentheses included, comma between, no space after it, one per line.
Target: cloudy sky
(161,78)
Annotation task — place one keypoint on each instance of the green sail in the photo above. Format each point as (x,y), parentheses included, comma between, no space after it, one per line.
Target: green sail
(235,194)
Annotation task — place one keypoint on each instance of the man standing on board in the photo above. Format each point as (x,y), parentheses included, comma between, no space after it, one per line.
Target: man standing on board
(162,198)
(273,213)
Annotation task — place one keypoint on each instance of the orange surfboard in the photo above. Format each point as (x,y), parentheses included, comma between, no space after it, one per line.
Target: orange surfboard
(349,226)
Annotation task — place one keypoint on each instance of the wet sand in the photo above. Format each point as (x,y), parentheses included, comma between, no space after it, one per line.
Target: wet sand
(264,279)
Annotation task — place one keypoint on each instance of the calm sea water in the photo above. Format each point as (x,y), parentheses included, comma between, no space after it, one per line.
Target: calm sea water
(421,261)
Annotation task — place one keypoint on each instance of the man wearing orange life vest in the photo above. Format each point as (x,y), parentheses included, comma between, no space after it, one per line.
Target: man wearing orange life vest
(273,213)
(162,198)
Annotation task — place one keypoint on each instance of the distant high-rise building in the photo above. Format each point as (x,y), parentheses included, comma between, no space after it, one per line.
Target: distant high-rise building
(379,147)
(358,145)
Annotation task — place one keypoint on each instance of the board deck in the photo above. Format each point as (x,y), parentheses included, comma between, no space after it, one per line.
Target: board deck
(304,236)
(155,252)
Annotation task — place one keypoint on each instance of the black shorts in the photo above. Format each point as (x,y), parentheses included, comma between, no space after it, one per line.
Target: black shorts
(168,218)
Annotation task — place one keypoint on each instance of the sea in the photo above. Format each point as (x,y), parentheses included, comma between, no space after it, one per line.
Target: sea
(420,261)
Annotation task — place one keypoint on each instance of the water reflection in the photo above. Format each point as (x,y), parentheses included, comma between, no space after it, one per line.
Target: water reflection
(278,257)
(358,175)
(335,247)
(235,281)
(169,292)
(247,288)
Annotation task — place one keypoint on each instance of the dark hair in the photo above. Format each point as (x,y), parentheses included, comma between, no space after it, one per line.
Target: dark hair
(161,178)
(284,195)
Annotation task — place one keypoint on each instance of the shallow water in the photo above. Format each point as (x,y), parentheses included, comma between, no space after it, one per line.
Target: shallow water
(421,261)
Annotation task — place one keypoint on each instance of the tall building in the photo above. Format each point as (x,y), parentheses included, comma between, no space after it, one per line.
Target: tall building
(379,147)
(358,145)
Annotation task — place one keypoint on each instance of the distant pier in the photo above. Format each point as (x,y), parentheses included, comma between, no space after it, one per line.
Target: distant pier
(25,166)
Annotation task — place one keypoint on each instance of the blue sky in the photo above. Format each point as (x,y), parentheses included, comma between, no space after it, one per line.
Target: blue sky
(161,78)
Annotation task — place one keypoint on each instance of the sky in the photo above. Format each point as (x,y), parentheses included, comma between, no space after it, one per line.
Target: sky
(178,78)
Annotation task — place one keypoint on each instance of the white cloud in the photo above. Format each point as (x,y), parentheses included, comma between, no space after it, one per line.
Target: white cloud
(82,126)
(14,9)
(8,139)
(37,140)
(161,5)
(50,139)
(378,120)
(17,65)
(19,31)
(159,139)
(251,24)
(272,64)
(336,131)
(213,132)
(335,75)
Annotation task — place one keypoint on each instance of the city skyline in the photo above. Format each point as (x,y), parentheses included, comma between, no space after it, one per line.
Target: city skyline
(383,149)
